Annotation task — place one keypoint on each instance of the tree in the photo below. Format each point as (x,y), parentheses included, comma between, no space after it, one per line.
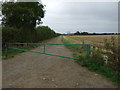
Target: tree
(22,14)
(44,32)
(77,33)
(84,33)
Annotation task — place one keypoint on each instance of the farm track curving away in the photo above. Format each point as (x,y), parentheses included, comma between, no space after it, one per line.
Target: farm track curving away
(33,70)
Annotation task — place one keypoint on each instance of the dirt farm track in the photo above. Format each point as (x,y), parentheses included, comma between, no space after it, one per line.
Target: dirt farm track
(33,70)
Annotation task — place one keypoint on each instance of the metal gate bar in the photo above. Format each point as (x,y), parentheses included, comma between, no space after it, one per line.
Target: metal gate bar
(44,53)
(88,48)
(50,44)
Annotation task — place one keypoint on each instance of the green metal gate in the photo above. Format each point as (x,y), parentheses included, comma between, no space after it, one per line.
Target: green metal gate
(44,51)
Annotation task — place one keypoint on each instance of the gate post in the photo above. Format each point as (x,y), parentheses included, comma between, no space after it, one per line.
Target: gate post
(6,48)
(82,41)
(89,49)
(44,47)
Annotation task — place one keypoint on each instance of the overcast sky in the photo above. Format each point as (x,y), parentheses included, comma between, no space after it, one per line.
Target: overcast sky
(64,17)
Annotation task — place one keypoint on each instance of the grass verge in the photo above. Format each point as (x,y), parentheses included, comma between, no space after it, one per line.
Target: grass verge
(93,64)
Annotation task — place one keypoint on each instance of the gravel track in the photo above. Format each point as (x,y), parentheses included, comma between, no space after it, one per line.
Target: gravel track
(33,70)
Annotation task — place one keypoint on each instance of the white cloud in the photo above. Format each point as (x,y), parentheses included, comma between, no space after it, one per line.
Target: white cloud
(91,17)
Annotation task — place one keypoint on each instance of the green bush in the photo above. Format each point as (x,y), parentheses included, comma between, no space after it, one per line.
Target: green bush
(10,35)
(23,35)
(44,32)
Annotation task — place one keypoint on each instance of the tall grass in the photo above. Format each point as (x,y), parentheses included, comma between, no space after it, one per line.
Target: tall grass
(95,64)
(114,52)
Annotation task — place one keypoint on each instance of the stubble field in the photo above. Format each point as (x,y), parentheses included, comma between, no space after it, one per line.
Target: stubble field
(97,40)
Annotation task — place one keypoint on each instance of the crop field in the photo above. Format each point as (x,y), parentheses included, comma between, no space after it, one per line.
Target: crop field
(97,40)
(103,47)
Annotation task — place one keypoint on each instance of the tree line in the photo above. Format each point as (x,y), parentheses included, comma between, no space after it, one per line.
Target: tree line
(19,22)
(37,35)
(87,33)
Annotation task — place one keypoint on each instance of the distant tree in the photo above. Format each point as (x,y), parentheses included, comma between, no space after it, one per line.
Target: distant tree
(84,33)
(77,33)
(22,14)
(94,33)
